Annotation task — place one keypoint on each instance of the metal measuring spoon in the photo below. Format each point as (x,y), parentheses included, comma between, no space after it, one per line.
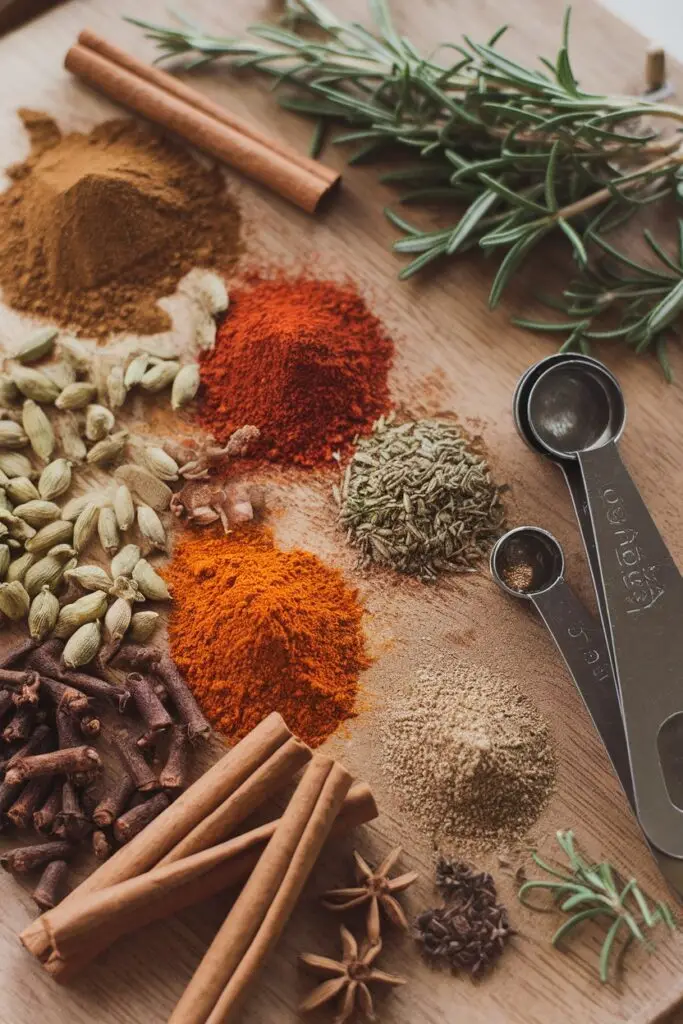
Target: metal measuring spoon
(528,563)
(576,413)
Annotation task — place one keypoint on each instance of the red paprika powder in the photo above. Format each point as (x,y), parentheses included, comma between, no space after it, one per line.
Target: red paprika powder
(303,360)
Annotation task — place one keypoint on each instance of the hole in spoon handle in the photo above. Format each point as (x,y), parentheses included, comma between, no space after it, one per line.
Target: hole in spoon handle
(643,596)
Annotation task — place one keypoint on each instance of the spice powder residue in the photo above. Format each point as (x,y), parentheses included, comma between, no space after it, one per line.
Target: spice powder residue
(469,755)
(255,629)
(96,228)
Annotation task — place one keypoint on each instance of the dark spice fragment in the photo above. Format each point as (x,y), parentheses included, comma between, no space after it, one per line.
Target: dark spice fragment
(51,888)
(185,704)
(133,761)
(114,800)
(71,820)
(151,710)
(26,858)
(29,800)
(20,725)
(45,818)
(135,657)
(63,696)
(40,740)
(8,794)
(133,821)
(470,931)
(29,693)
(174,772)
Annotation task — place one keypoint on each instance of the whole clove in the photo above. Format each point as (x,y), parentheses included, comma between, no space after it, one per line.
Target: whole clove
(133,761)
(470,931)
(135,657)
(8,658)
(8,794)
(20,725)
(29,693)
(46,660)
(71,818)
(102,846)
(15,678)
(27,858)
(51,888)
(45,818)
(114,800)
(185,704)
(90,726)
(127,826)
(40,740)
(174,774)
(6,702)
(29,800)
(62,695)
(55,762)
(151,710)
(68,733)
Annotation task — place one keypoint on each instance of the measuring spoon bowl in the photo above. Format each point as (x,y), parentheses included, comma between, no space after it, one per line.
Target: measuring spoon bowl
(520,398)
(526,560)
(573,407)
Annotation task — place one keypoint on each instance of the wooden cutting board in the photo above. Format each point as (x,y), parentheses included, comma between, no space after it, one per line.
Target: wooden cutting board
(451,356)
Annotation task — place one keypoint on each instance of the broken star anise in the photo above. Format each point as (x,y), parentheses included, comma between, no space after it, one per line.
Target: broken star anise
(376,889)
(348,978)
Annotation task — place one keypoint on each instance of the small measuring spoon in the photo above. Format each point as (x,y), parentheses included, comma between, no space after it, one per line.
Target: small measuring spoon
(528,563)
(576,413)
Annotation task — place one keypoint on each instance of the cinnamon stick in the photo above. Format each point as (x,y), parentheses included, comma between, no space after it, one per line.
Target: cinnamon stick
(166,831)
(80,931)
(52,884)
(128,824)
(267,780)
(264,904)
(160,97)
(55,762)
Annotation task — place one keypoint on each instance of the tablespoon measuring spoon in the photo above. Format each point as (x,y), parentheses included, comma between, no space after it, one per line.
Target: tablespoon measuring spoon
(528,563)
(576,413)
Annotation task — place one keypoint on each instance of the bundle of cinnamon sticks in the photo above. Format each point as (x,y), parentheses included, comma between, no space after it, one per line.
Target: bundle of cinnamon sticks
(190,852)
(171,103)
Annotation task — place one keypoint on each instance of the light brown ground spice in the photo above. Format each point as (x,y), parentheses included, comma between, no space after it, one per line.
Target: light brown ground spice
(96,228)
(469,756)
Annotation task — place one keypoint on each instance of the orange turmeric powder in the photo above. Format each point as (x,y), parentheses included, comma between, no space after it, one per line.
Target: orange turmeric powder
(255,629)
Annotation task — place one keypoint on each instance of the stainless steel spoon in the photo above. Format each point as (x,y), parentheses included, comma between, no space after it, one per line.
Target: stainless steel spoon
(576,413)
(528,563)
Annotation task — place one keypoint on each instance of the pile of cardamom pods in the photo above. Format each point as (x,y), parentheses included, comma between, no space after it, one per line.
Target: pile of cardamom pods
(57,414)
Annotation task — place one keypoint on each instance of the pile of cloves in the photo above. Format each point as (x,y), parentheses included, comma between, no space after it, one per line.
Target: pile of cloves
(54,783)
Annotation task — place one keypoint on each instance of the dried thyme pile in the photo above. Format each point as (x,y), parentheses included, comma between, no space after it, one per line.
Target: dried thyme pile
(415,497)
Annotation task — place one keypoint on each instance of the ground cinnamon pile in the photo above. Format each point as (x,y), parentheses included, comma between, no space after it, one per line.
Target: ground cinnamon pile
(257,629)
(304,360)
(96,228)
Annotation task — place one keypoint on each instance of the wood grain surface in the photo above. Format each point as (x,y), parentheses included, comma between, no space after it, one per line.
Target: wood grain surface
(451,356)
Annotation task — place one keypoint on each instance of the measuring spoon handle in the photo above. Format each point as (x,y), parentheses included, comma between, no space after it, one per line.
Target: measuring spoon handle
(581,642)
(643,594)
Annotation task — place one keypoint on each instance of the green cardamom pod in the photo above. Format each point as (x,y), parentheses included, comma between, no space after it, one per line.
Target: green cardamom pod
(160,463)
(185,386)
(21,489)
(9,392)
(125,560)
(116,388)
(37,513)
(151,527)
(19,567)
(5,558)
(117,620)
(142,626)
(14,464)
(62,373)
(76,395)
(59,532)
(150,582)
(34,384)
(99,421)
(90,577)
(160,376)
(17,528)
(11,435)
(38,430)
(37,345)
(85,609)
(43,614)
(124,508)
(108,530)
(72,444)
(108,449)
(75,506)
(47,572)
(14,601)
(136,370)
(82,646)
(76,353)
(55,479)
(85,526)
(205,332)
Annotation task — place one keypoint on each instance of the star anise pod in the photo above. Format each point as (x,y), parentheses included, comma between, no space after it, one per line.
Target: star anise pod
(349,979)
(376,889)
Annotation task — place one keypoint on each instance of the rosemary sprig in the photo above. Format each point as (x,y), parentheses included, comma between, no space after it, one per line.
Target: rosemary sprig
(588,891)
(524,152)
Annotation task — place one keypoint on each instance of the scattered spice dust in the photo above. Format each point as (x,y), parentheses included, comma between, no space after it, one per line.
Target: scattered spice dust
(256,629)
(470,757)
(96,228)
(302,359)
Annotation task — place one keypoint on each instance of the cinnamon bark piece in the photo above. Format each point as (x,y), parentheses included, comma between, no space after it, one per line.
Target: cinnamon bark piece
(166,831)
(127,826)
(55,762)
(134,763)
(81,929)
(114,800)
(175,771)
(149,707)
(52,885)
(262,909)
(45,818)
(188,710)
(28,801)
(27,858)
